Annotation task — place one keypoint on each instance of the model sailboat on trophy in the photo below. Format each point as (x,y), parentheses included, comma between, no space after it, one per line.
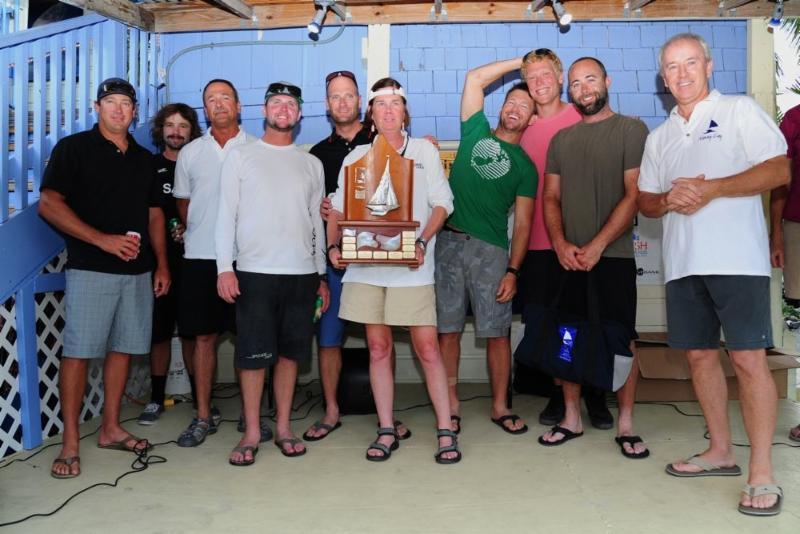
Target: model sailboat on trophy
(378,208)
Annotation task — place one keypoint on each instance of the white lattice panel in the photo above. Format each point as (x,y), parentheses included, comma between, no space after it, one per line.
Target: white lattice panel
(10,420)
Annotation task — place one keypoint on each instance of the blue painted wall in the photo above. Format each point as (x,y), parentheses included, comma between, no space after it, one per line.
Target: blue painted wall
(431,60)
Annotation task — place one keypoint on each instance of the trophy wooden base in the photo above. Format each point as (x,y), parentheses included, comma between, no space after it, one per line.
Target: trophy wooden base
(379,242)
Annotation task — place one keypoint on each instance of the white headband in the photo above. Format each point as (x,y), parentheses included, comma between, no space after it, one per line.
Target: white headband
(387,91)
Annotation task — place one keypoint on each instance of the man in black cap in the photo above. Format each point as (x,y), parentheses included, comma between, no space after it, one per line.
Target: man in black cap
(99,190)
(270,192)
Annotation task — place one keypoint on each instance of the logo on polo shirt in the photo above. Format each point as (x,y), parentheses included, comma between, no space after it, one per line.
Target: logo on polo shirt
(711,132)
(489,159)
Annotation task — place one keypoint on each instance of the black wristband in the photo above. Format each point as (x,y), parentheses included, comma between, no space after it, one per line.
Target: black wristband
(513,270)
(422,243)
(333,246)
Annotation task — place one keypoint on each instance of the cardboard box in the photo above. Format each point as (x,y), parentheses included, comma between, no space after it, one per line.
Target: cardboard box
(664,372)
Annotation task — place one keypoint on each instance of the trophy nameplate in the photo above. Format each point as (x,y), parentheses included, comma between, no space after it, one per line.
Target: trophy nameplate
(378,208)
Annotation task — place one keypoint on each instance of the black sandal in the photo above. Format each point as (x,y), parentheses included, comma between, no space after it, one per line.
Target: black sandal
(453,447)
(386,450)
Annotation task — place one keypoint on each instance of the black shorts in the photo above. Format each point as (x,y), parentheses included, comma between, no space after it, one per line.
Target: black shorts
(202,310)
(538,278)
(274,317)
(615,280)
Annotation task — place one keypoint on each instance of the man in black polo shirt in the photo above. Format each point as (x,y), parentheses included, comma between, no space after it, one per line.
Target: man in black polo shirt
(173,126)
(344,107)
(98,190)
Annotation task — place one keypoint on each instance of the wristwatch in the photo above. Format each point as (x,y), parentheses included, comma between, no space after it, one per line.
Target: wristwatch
(421,242)
(513,270)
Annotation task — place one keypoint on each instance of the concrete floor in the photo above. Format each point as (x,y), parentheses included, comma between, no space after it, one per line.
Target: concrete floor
(504,484)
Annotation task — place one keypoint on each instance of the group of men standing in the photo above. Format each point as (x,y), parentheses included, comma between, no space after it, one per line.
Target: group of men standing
(574,176)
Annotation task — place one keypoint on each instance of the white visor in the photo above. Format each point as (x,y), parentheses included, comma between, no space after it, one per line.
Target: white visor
(387,91)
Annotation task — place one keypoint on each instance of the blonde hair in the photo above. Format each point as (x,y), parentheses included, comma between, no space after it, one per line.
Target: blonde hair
(540,54)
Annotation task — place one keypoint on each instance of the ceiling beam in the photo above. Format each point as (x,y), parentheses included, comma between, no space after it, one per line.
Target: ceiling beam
(237,7)
(193,16)
(121,10)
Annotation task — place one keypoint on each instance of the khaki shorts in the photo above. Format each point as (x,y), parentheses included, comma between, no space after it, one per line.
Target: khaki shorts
(393,306)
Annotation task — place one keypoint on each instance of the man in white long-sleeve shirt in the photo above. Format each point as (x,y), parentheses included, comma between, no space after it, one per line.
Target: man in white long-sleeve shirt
(270,192)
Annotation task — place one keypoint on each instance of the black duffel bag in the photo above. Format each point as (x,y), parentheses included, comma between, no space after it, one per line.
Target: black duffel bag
(583,350)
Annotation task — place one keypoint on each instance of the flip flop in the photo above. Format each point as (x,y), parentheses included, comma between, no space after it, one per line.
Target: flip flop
(756,491)
(243,450)
(68,462)
(708,469)
(513,418)
(457,420)
(568,435)
(291,441)
(631,440)
(794,433)
(319,425)
(121,445)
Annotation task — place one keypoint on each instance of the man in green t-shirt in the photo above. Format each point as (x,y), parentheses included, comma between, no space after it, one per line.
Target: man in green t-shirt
(490,175)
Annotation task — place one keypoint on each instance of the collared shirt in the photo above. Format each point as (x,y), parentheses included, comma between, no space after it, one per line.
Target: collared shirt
(109,190)
(197,178)
(725,135)
(332,150)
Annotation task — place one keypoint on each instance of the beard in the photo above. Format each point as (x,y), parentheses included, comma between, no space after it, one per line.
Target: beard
(175,142)
(600,101)
(283,129)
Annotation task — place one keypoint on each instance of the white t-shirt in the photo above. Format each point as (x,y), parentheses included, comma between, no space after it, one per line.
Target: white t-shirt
(197,178)
(725,135)
(269,211)
(430,190)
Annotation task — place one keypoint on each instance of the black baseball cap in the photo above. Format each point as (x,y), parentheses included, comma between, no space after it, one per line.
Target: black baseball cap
(116,86)
(283,88)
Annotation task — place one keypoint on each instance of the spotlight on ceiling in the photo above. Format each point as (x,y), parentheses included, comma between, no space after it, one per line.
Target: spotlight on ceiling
(777,14)
(322,7)
(563,16)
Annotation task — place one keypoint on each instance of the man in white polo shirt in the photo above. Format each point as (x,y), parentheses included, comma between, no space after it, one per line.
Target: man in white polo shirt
(703,171)
(197,191)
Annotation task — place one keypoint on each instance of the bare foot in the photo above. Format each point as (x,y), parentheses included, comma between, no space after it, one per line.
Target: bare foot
(725,460)
(70,466)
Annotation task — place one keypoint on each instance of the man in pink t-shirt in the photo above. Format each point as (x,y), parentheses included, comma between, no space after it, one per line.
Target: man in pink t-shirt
(543,72)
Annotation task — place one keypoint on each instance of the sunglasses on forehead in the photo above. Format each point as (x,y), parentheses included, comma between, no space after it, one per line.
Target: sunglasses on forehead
(335,74)
(546,52)
(281,88)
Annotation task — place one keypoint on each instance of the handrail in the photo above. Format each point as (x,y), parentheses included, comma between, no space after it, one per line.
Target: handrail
(33,34)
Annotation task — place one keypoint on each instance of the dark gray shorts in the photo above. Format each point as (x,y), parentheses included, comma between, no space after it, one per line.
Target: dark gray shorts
(274,317)
(468,271)
(698,305)
(107,313)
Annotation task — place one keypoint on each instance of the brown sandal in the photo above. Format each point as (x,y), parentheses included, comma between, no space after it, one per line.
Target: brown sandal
(68,462)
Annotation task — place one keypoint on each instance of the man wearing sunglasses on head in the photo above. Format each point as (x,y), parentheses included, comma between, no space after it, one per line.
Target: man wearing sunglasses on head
(270,192)
(543,72)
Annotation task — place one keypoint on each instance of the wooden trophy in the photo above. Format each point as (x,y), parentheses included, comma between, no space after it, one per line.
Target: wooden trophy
(378,208)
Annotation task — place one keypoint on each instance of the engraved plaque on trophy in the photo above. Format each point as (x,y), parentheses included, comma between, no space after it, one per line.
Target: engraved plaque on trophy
(378,208)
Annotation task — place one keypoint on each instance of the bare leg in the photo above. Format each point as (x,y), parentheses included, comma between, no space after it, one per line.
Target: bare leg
(426,346)
(709,384)
(187,350)
(450,345)
(205,362)
(115,376)
(759,410)
(252,384)
(381,377)
(626,397)
(72,387)
(285,380)
(330,368)
(498,354)
(572,412)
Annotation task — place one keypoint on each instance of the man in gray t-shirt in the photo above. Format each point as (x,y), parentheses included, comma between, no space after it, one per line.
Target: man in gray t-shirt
(589,204)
